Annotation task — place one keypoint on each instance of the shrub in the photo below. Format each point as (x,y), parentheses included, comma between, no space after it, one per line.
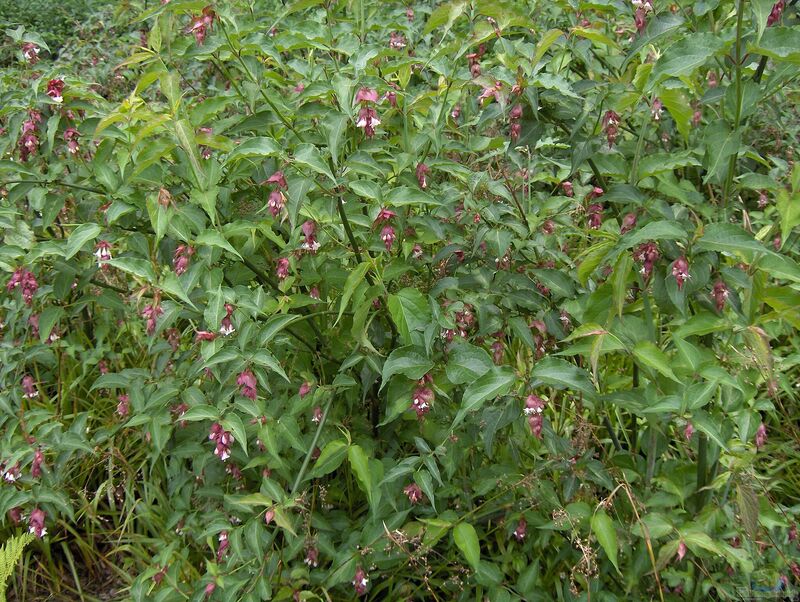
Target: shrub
(470,300)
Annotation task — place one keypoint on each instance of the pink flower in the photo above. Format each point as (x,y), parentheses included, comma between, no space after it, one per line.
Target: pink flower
(567,188)
(656,109)
(414,493)
(521,530)
(181,258)
(628,223)
(312,557)
(688,431)
(304,390)
(397,41)
(309,229)
(223,439)
(640,19)
(29,387)
(761,435)
(55,88)
(248,383)
(276,202)
(278,178)
(31,52)
(316,415)
(15,515)
(595,216)
(123,406)
(775,13)
(102,251)
(314,293)
(410,14)
(299,88)
(36,523)
(680,271)
(534,409)
(71,136)
(384,215)
(204,335)
(367,120)
(28,142)
(282,270)
(421,171)
(200,24)
(456,112)
(763,199)
(611,127)
(417,252)
(388,237)
(647,254)
(392,98)
(269,516)
(210,587)
(514,131)
(365,95)
(697,118)
(515,113)
(26,282)
(226,326)
(360,581)
(720,294)
(681,550)
(421,400)
(151,313)
(36,465)
(10,475)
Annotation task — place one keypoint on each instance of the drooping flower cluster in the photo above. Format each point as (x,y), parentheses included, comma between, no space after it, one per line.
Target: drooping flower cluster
(71,136)
(277,199)
(224,544)
(360,581)
(761,436)
(226,325)
(367,115)
(28,142)
(521,530)
(776,13)
(414,493)
(223,440)
(514,116)
(647,254)
(26,282)
(421,173)
(680,271)
(102,251)
(282,268)
(594,216)
(397,41)
(55,89)
(534,408)
(656,109)
(248,384)
(385,216)
(640,16)
(628,223)
(151,313)
(181,258)
(474,59)
(312,557)
(36,523)
(720,294)
(201,24)
(310,243)
(36,464)
(688,431)
(123,405)
(423,396)
(610,124)
(11,474)
(31,52)
(29,390)
(567,188)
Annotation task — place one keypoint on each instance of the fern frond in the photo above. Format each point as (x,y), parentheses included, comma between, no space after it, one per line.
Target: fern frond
(10,553)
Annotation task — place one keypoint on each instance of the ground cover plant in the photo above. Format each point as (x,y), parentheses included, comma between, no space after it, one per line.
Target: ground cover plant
(325,300)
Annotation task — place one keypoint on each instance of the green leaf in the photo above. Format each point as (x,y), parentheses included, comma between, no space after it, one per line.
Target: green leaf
(359,462)
(547,40)
(201,412)
(651,356)
(48,319)
(409,361)
(729,238)
(761,10)
(661,162)
(747,501)
(335,127)
(496,382)
(404,195)
(657,27)
(410,312)
(255,147)
(690,52)
(789,209)
(721,144)
(603,529)
(332,456)
(445,14)
(466,539)
(355,278)
(187,141)
(660,230)
(705,424)
(79,237)
(467,363)
(138,267)
(233,423)
(561,374)
(780,44)
(309,156)
(213,238)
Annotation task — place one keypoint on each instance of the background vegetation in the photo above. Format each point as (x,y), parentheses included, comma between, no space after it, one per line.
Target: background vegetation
(438,301)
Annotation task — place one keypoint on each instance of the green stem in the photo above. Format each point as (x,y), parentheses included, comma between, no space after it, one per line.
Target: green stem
(347,229)
(738,108)
(307,459)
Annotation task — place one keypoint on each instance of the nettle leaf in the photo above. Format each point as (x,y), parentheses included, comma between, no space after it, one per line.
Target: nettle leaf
(215,239)
(409,361)
(729,238)
(494,383)
(466,363)
(561,374)
(410,312)
(603,529)
(132,265)
(310,156)
(466,539)
(79,237)
(690,52)
(255,147)
(651,356)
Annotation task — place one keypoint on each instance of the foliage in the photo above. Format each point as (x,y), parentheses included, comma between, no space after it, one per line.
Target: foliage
(455,300)
(10,553)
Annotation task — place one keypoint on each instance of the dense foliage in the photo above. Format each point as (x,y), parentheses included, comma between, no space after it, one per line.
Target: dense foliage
(467,300)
